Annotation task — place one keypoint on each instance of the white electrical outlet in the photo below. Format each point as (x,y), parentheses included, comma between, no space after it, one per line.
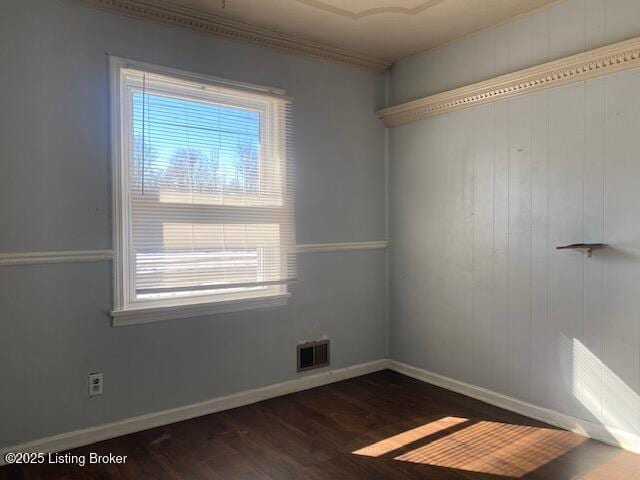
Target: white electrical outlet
(95,384)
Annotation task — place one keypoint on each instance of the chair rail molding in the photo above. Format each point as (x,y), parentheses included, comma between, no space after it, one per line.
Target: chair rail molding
(196,19)
(341,246)
(574,68)
(64,256)
(76,256)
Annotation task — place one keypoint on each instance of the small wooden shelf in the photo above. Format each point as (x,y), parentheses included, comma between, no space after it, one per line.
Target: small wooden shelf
(587,248)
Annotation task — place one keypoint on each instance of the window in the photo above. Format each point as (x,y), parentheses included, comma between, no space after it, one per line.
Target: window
(202,194)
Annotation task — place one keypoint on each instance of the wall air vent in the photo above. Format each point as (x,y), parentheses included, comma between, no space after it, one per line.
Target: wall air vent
(313,355)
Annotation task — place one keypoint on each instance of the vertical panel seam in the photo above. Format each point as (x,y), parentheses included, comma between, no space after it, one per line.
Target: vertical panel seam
(493,262)
(602,265)
(473,235)
(548,295)
(547,181)
(530,246)
(508,240)
(494,379)
(584,257)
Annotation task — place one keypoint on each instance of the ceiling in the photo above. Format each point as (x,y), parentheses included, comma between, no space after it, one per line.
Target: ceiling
(382,29)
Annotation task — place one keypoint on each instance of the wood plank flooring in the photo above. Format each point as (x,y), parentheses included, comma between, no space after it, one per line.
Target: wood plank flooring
(379,426)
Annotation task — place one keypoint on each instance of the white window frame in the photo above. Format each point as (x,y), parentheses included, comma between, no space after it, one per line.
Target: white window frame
(128,312)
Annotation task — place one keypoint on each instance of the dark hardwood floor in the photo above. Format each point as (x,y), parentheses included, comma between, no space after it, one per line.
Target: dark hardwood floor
(379,426)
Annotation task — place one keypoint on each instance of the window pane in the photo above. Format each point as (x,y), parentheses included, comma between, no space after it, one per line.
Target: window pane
(187,147)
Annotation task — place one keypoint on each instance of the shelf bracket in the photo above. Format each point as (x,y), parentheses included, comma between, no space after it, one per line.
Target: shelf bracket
(587,248)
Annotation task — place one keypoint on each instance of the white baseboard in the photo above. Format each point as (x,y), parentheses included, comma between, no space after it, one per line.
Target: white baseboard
(612,436)
(87,436)
(79,438)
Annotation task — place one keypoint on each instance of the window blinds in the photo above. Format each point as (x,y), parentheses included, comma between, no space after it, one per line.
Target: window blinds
(209,188)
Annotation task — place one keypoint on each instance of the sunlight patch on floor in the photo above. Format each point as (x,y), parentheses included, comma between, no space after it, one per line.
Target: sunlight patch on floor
(405,438)
(623,466)
(495,448)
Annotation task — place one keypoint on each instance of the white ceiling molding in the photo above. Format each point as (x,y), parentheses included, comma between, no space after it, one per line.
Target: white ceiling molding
(162,11)
(582,66)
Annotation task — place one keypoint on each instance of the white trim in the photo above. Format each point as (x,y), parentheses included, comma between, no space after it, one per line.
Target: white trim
(74,256)
(87,436)
(64,256)
(126,75)
(78,438)
(582,66)
(609,435)
(136,316)
(118,218)
(198,19)
(200,78)
(341,246)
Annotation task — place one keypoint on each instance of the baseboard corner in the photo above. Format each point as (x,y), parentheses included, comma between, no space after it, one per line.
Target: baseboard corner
(611,436)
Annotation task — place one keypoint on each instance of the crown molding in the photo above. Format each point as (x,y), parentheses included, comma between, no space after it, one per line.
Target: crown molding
(196,19)
(575,68)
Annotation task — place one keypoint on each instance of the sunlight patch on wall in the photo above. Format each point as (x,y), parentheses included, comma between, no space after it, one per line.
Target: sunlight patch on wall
(603,393)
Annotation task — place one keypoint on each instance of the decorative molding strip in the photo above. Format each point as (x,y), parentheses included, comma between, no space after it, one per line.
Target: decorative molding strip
(200,20)
(612,436)
(341,246)
(68,256)
(78,438)
(582,66)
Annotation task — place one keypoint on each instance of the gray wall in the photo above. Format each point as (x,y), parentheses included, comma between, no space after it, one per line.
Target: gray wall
(55,195)
(479,199)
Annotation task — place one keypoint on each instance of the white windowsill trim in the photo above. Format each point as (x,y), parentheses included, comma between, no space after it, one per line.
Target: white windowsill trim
(136,316)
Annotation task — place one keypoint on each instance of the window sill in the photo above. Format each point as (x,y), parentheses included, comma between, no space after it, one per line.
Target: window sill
(136,316)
